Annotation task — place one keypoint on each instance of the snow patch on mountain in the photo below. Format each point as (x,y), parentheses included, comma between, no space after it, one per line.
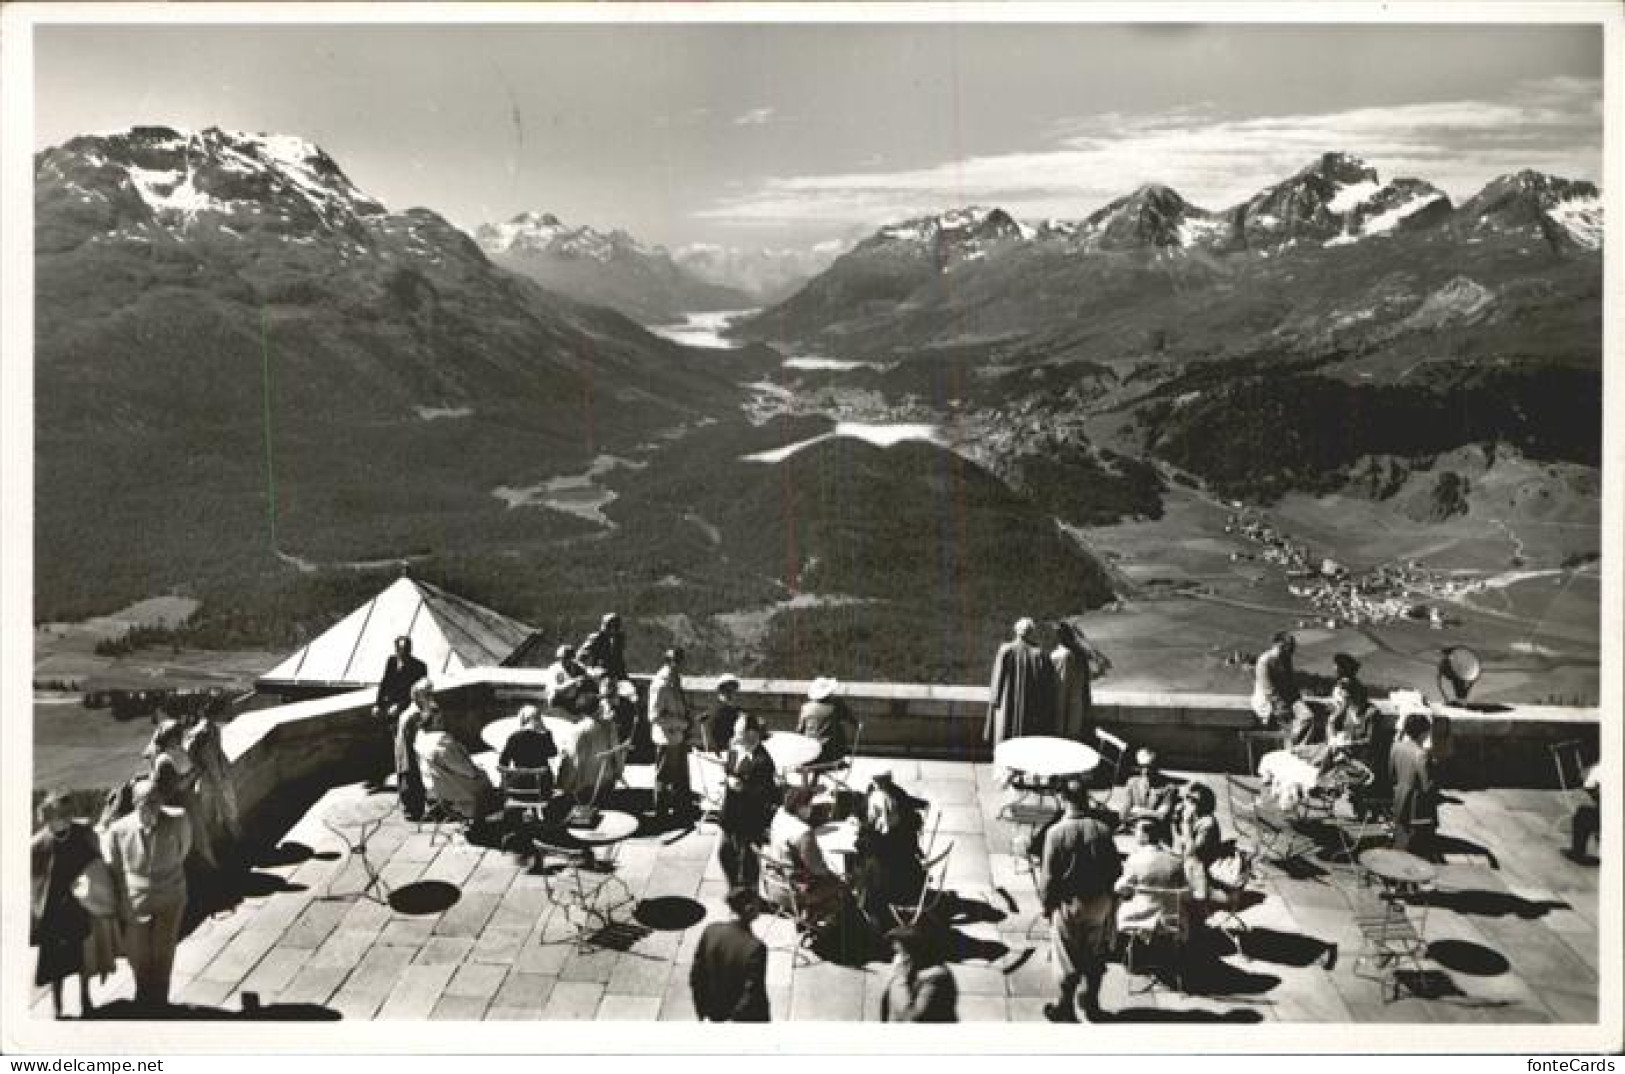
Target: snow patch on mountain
(1581,217)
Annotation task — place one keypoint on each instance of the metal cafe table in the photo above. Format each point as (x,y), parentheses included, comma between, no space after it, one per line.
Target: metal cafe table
(364,816)
(590,907)
(1034,759)
(791,752)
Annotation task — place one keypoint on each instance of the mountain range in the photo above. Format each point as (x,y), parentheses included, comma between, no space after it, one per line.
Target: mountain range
(975,275)
(245,365)
(240,355)
(605,268)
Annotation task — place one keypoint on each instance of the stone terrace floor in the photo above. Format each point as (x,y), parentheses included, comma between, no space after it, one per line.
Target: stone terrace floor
(1513,932)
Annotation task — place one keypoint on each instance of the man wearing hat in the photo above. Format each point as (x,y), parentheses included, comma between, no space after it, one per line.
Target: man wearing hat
(605,648)
(826,718)
(728,979)
(146,853)
(1150,794)
(720,721)
(1021,699)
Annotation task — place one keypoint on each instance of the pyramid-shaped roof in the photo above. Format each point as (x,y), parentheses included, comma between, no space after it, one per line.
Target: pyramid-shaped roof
(448,633)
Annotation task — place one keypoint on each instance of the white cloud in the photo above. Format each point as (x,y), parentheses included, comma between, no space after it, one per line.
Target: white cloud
(1552,125)
(756,117)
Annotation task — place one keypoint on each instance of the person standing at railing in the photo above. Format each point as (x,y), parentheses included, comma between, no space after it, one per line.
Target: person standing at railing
(1021,699)
(1587,819)
(402,671)
(670,726)
(146,852)
(62,850)
(604,650)
(219,825)
(1416,795)
(719,723)
(1276,698)
(1077,664)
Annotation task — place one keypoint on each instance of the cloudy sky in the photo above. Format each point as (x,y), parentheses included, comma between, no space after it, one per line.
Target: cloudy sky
(789,134)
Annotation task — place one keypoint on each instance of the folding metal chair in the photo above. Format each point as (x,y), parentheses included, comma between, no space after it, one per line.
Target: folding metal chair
(839,771)
(522,790)
(712,784)
(1171,922)
(1114,750)
(1266,827)
(1393,938)
(930,895)
(1569,759)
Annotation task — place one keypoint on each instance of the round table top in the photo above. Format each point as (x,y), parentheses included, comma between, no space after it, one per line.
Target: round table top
(612,827)
(359,812)
(790,750)
(1042,755)
(497,733)
(1397,866)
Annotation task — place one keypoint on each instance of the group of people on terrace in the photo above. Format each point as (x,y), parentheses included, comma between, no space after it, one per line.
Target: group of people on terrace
(123,885)
(123,889)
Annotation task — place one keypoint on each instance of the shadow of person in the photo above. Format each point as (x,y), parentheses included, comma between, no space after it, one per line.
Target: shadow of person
(252,1011)
(1242,1015)
(1285,948)
(1489,903)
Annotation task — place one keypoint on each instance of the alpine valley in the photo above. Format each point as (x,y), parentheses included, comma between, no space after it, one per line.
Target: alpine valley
(257,386)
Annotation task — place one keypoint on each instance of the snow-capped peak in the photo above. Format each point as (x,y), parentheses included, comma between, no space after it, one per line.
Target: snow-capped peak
(543,233)
(181,175)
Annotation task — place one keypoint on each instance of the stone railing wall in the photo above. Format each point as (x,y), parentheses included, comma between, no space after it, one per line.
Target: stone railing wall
(321,743)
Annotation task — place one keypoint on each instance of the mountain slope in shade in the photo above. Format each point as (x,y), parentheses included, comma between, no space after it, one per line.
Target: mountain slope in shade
(604,268)
(227,314)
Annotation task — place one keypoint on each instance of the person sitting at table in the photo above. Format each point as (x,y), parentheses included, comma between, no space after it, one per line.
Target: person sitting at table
(1151,795)
(530,747)
(792,839)
(451,778)
(1196,831)
(748,797)
(564,680)
(1416,796)
(1152,864)
(589,762)
(408,774)
(719,722)
(826,718)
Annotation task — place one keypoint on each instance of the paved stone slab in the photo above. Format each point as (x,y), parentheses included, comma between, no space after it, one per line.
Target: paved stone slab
(523,992)
(314,984)
(275,971)
(417,991)
(460,1009)
(574,1001)
(444,951)
(476,979)
(624,1008)
(467,916)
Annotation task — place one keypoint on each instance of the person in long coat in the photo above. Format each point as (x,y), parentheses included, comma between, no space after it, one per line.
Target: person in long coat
(1416,796)
(1021,699)
(1076,664)
(58,925)
(217,817)
(748,802)
(671,725)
